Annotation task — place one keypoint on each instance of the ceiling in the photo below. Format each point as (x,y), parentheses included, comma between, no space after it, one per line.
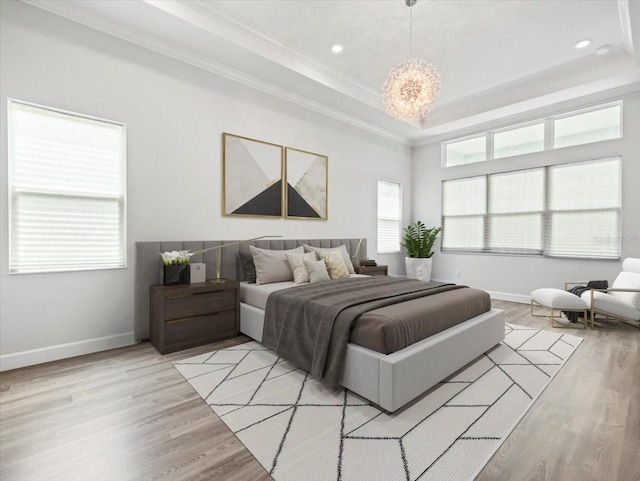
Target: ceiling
(496,58)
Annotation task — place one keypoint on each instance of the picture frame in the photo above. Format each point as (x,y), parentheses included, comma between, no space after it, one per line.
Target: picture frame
(306,185)
(252,177)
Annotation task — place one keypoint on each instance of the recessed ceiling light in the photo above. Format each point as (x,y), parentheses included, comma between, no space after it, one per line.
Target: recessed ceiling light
(605,49)
(583,43)
(336,48)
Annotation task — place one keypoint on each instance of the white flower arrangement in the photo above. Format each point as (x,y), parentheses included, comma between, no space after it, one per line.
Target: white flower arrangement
(175,257)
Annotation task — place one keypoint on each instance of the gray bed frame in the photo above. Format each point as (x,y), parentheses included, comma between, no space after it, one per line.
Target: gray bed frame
(389,381)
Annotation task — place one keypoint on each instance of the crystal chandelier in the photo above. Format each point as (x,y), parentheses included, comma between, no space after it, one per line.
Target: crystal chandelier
(413,87)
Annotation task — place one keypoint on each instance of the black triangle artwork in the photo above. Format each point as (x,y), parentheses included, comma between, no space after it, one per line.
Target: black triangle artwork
(267,202)
(297,206)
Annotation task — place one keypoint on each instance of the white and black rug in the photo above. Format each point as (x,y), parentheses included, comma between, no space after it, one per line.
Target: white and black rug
(300,431)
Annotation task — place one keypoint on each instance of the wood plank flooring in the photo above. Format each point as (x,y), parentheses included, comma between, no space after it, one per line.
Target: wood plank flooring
(127,414)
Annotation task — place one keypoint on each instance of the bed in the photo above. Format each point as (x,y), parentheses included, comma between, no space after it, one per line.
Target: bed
(388,380)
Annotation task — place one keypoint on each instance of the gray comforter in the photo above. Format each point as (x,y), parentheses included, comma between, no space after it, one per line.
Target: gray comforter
(309,325)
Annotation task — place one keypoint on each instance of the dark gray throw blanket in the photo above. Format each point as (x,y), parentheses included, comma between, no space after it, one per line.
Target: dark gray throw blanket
(309,325)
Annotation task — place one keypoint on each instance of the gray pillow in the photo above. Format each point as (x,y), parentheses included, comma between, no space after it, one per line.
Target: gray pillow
(272,265)
(342,249)
(296,262)
(246,260)
(317,271)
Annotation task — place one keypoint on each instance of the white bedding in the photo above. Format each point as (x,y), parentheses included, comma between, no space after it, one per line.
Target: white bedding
(256,294)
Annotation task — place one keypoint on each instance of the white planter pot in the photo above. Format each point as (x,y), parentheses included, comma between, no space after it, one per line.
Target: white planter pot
(419,268)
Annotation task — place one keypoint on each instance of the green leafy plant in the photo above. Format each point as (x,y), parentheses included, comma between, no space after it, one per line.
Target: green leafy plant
(418,240)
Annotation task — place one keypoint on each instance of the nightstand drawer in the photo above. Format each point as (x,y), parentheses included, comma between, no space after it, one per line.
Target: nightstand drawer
(203,328)
(198,304)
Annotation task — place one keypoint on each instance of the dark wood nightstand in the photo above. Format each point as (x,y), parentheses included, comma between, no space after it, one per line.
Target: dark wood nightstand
(378,270)
(193,314)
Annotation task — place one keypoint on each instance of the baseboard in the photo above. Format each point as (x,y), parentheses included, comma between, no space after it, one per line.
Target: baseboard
(500,296)
(505,296)
(64,351)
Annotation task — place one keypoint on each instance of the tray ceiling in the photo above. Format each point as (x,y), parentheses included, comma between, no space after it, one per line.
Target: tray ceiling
(496,58)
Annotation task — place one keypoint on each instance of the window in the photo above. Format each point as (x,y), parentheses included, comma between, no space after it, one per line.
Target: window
(587,127)
(464,207)
(518,141)
(466,151)
(603,122)
(584,209)
(568,210)
(516,207)
(66,191)
(389,216)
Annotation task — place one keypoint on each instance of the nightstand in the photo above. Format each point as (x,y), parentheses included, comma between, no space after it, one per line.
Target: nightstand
(193,314)
(378,270)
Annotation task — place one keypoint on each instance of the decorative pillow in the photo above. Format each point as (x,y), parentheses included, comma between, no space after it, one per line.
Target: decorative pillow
(317,271)
(272,265)
(335,264)
(296,262)
(342,249)
(246,260)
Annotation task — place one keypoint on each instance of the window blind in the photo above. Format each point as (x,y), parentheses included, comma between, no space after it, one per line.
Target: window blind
(516,207)
(464,207)
(67,191)
(568,210)
(585,202)
(389,216)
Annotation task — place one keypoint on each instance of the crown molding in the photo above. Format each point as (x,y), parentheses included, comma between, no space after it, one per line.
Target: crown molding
(625,25)
(62,9)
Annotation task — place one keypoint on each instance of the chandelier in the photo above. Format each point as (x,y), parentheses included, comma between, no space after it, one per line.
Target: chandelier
(413,87)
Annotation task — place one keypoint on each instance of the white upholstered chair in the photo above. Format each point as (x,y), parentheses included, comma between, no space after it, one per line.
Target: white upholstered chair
(622,300)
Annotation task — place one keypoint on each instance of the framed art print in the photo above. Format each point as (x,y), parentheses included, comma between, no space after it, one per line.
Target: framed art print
(252,177)
(307,179)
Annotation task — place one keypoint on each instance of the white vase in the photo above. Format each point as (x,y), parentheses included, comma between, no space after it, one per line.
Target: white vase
(419,268)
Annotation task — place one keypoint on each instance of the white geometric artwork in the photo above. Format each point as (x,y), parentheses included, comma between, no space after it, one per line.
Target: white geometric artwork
(252,177)
(306,184)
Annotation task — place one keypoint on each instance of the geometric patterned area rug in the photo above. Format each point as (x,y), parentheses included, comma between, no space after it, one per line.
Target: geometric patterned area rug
(299,430)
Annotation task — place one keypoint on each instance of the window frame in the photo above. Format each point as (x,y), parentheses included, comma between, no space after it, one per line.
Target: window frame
(11,191)
(546,215)
(399,184)
(548,132)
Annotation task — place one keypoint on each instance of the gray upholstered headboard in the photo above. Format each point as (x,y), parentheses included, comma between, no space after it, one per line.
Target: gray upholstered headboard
(148,264)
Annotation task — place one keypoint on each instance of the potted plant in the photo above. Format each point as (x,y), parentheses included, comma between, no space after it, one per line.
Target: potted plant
(418,241)
(175,267)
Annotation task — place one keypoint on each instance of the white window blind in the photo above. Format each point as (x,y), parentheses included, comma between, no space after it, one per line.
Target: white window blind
(569,210)
(389,216)
(516,208)
(464,206)
(584,209)
(67,191)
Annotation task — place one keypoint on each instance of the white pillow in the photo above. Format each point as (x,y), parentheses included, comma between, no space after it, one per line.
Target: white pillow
(628,280)
(296,262)
(317,271)
(272,265)
(342,249)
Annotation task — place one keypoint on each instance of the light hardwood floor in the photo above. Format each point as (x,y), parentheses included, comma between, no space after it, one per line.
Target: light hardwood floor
(127,414)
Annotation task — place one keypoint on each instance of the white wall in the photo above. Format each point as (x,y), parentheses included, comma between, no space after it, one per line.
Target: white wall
(516,276)
(175,115)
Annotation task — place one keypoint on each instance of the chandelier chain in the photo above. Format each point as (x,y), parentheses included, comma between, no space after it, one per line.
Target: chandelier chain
(410,32)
